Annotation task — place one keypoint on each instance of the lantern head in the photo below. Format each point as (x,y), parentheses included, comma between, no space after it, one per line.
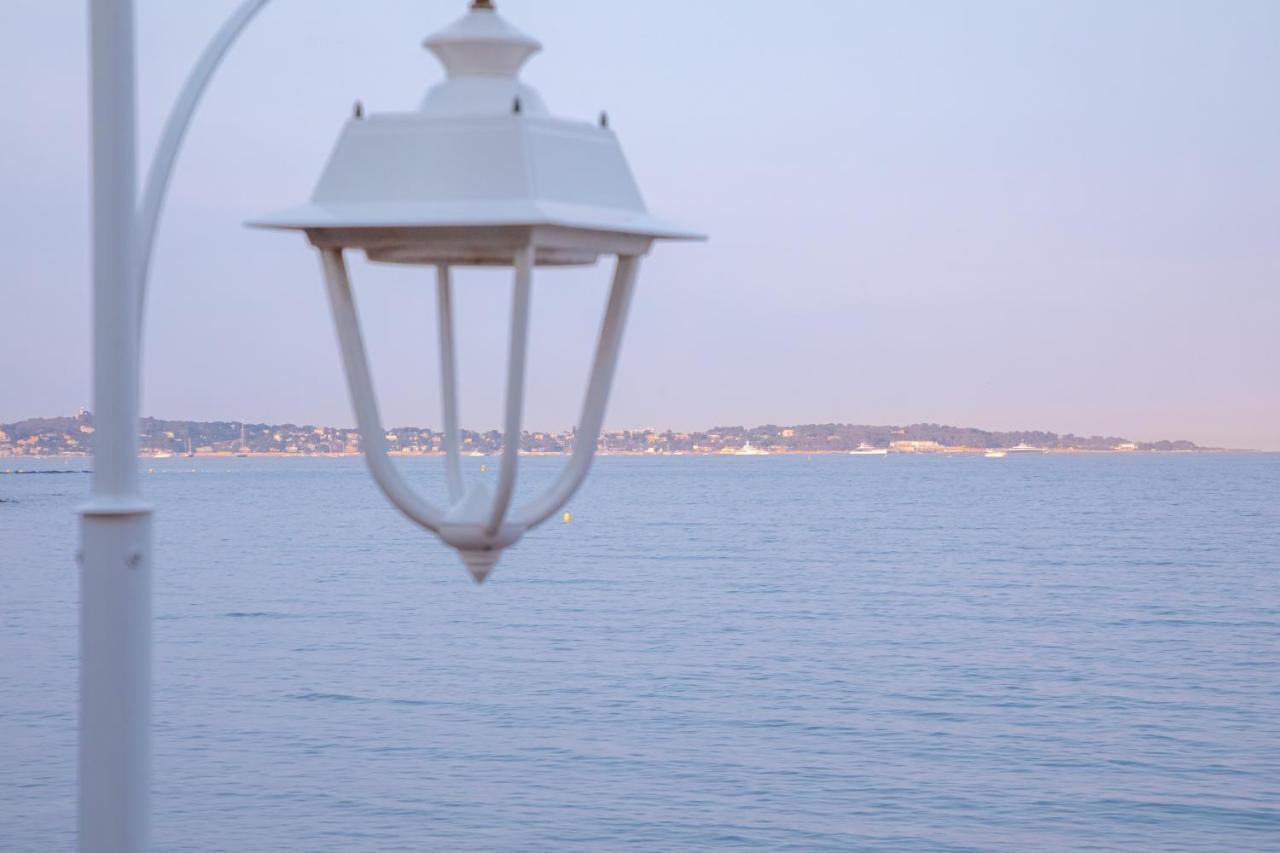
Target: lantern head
(480,175)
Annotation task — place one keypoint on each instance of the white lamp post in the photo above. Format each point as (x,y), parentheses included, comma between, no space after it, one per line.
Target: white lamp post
(481,175)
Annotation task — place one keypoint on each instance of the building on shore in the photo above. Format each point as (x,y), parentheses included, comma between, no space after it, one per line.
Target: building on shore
(916,447)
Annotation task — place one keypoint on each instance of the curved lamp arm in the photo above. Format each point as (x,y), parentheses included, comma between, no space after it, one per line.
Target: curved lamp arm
(584,445)
(516,357)
(372,437)
(449,384)
(148,215)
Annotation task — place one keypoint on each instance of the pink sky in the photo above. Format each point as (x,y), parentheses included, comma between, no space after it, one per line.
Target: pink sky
(1006,215)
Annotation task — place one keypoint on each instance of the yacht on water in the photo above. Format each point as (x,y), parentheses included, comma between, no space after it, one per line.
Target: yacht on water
(864,449)
(748,450)
(1023,447)
(996,454)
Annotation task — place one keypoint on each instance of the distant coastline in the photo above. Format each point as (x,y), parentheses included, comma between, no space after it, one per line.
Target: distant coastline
(73,435)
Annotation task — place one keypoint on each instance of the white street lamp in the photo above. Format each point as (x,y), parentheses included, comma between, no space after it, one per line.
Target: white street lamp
(480,175)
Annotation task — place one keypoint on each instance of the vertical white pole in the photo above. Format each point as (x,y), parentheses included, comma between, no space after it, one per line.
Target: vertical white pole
(115,526)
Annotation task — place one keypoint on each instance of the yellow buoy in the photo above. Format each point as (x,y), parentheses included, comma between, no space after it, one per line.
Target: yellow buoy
(568,517)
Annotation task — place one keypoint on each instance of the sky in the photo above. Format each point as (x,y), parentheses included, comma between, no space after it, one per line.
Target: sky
(1009,215)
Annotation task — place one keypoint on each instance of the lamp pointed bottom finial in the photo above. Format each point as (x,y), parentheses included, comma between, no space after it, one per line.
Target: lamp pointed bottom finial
(480,563)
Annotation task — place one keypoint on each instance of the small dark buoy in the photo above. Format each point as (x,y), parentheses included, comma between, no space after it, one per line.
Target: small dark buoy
(515,106)
(604,119)
(358,110)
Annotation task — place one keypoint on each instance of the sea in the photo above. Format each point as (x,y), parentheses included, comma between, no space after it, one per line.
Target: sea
(942,653)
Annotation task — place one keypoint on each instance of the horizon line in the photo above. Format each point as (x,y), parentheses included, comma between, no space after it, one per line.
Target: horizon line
(84,413)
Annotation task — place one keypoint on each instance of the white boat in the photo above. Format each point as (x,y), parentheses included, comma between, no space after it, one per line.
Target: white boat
(748,450)
(864,449)
(995,454)
(477,453)
(1023,447)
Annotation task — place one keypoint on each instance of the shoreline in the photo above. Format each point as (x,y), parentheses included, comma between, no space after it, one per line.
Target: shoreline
(946,452)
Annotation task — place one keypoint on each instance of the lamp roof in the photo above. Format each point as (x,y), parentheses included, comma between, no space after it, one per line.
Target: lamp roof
(482,152)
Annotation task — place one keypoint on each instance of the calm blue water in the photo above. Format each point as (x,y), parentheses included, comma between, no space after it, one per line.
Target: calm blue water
(764,653)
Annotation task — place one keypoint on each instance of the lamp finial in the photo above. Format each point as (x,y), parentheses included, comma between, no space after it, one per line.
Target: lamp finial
(482,44)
